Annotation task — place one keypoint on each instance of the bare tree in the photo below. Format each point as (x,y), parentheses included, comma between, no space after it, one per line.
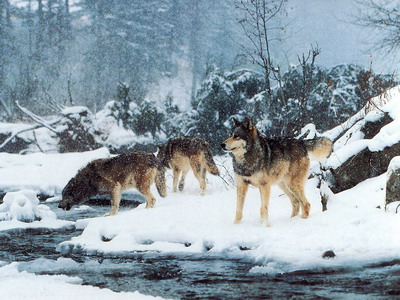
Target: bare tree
(384,16)
(258,26)
(307,64)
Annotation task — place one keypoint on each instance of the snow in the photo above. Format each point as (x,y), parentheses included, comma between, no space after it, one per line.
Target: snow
(22,210)
(43,173)
(188,223)
(23,285)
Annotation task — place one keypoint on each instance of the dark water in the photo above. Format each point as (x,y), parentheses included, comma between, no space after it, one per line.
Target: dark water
(194,276)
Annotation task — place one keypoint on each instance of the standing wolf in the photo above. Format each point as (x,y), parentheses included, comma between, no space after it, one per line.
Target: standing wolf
(114,175)
(262,162)
(184,153)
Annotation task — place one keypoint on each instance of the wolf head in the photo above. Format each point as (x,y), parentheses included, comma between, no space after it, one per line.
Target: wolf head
(243,134)
(76,192)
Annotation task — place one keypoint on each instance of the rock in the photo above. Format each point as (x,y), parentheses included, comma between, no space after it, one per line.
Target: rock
(393,182)
(363,165)
(16,145)
(328,254)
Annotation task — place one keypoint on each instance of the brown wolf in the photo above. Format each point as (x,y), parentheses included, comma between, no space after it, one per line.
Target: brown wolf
(132,170)
(261,162)
(184,153)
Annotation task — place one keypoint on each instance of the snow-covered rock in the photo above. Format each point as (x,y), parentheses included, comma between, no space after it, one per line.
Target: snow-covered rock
(22,209)
(24,206)
(365,144)
(393,182)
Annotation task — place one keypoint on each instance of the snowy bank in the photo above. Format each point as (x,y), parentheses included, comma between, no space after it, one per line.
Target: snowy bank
(22,210)
(353,228)
(43,173)
(23,285)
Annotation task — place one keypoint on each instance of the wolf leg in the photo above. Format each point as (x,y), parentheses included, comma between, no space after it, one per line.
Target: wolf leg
(241,191)
(298,191)
(265,191)
(143,187)
(182,181)
(115,196)
(198,171)
(175,173)
(293,200)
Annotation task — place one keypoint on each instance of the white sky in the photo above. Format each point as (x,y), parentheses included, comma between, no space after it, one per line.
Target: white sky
(329,22)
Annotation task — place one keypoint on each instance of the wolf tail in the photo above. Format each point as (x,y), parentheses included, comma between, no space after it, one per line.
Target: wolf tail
(160,181)
(319,148)
(211,166)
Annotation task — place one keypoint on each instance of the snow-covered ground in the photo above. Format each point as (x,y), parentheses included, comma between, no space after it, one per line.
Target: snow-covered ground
(353,227)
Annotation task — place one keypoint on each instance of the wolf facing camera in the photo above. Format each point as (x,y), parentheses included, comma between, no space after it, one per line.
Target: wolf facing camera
(262,162)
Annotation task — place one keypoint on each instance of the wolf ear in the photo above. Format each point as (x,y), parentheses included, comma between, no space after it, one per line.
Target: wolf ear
(236,123)
(248,123)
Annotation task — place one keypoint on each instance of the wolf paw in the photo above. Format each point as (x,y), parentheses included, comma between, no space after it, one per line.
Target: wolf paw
(150,205)
(266,223)
(109,214)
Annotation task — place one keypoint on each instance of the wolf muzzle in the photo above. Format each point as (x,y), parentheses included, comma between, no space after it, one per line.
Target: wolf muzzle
(64,206)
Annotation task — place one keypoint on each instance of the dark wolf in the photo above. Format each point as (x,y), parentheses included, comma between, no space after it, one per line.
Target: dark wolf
(261,162)
(184,153)
(132,170)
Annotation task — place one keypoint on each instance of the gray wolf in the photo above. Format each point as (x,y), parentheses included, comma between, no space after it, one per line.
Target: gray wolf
(261,162)
(132,170)
(184,153)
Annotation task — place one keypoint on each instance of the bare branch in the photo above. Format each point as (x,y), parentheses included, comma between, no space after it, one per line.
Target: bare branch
(36,118)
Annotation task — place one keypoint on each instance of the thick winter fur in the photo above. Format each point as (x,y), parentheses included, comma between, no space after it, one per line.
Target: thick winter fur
(184,153)
(261,162)
(133,170)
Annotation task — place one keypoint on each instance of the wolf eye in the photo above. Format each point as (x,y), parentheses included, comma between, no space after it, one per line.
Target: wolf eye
(236,137)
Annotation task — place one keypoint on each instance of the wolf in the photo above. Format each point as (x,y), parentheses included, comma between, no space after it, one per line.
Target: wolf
(184,153)
(261,162)
(131,170)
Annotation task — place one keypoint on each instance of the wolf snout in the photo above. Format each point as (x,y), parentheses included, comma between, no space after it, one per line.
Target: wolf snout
(223,146)
(64,206)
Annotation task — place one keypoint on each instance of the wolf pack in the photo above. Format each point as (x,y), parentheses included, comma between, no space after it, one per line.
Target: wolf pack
(257,160)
